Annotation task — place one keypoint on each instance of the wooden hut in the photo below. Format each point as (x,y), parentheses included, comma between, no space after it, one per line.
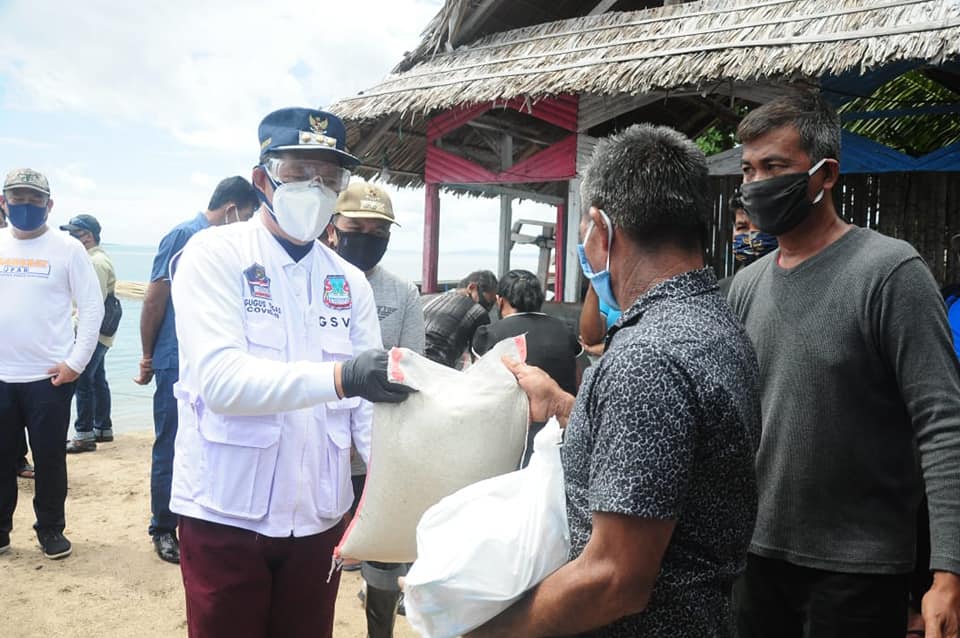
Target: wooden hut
(506,99)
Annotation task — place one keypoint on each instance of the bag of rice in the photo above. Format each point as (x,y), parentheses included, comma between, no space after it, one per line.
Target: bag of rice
(459,428)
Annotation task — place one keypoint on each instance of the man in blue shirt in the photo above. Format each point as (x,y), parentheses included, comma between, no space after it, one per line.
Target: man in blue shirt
(234,200)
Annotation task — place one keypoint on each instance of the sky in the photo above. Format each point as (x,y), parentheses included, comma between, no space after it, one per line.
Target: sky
(135,110)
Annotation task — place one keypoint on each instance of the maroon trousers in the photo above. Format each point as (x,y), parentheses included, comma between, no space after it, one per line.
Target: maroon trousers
(240,584)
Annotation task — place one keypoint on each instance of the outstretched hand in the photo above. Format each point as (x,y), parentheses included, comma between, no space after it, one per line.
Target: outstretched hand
(546,397)
(365,376)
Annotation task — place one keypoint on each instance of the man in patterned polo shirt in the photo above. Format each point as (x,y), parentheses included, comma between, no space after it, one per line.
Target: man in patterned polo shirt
(659,445)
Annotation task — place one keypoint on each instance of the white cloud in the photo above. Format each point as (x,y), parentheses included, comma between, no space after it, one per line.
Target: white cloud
(206,72)
(204,180)
(71,178)
(23,142)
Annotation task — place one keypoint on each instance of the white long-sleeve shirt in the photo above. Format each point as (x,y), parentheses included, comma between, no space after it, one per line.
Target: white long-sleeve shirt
(40,281)
(263,441)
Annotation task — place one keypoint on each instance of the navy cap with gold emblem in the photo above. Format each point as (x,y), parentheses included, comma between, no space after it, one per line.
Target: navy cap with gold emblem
(301,129)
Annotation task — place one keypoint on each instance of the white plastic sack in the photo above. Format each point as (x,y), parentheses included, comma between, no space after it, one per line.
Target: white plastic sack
(459,428)
(480,549)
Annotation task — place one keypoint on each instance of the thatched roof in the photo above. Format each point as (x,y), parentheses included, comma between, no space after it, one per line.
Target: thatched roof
(706,47)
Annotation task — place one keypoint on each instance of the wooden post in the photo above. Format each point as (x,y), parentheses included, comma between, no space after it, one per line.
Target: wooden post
(506,210)
(571,264)
(431,238)
(559,252)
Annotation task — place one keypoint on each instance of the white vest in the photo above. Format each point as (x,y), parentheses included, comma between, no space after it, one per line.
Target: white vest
(285,472)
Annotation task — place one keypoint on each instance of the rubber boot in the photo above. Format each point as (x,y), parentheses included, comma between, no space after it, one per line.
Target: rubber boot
(381,612)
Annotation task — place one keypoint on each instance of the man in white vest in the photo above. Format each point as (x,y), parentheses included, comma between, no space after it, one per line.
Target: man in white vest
(280,354)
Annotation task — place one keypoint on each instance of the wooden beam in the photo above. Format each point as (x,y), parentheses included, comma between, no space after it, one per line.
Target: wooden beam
(379,169)
(502,129)
(506,209)
(492,190)
(468,27)
(560,240)
(360,149)
(716,110)
(602,7)
(431,237)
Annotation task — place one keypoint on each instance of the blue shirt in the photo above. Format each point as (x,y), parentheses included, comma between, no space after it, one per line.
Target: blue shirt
(165,347)
(953,316)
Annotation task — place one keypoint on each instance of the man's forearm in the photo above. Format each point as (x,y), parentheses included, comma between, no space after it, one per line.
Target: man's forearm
(577,598)
(151,316)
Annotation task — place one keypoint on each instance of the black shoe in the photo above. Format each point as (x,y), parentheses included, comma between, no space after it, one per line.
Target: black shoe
(81,445)
(55,545)
(167,547)
(103,436)
(4,542)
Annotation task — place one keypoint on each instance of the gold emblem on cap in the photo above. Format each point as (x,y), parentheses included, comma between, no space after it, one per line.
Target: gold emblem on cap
(318,126)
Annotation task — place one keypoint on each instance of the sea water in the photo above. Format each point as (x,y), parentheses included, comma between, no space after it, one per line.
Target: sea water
(132,407)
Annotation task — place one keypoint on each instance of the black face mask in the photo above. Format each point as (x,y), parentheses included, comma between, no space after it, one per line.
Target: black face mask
(779,204)
(482,300)
(361,249)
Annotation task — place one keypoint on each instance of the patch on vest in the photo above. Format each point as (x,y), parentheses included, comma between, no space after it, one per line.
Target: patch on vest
(256,276)
(336,292)
(384,311)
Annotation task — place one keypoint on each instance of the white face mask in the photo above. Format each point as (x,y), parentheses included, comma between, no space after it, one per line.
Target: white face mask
(302,209)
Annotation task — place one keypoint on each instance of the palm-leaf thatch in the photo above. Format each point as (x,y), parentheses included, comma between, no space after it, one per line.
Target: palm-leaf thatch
(695,44)
(708,47)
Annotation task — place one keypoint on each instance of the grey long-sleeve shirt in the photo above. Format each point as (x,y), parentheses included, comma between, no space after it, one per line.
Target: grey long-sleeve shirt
(858,375)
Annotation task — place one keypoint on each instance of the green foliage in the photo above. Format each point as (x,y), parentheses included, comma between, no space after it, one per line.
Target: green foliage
(715,139)
(911,134)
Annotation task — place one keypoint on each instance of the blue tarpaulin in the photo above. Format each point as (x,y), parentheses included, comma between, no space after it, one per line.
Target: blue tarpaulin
(861,155)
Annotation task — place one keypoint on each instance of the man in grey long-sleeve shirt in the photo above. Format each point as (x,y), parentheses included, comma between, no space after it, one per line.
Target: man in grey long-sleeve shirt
(360,232)
(858,377)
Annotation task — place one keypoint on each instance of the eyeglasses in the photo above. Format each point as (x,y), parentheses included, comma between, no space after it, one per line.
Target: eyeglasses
(285,170)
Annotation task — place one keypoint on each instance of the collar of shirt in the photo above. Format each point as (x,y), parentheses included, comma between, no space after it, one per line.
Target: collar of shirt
(687,284)
(201,221)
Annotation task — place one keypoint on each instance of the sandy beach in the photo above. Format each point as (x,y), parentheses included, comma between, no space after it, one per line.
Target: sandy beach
(113,585)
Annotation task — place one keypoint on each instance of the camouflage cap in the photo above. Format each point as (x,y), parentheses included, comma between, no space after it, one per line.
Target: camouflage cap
(363,200)
(26,178)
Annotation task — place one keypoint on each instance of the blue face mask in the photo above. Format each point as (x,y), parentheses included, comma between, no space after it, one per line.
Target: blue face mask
(26,217)
(599,280)
(751,246)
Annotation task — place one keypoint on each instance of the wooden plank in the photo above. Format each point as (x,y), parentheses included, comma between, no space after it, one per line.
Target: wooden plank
(431,237)
(602,7)
(940,229)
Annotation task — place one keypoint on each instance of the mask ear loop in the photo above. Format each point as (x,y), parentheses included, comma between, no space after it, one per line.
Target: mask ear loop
(816,167)
(606,219)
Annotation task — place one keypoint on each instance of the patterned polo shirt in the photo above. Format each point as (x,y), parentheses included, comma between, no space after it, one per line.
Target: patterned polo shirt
(665,427)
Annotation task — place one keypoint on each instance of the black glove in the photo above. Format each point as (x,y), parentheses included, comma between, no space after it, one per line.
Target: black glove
(365,376)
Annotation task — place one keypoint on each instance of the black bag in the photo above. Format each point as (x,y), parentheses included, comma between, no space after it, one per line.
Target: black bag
(112,311)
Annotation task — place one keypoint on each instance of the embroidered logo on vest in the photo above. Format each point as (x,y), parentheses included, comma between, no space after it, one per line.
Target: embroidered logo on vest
(258,281)
(336,292)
